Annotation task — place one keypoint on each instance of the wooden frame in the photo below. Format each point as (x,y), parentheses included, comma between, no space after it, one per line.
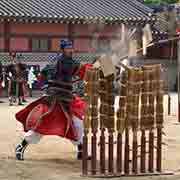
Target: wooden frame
(134,148)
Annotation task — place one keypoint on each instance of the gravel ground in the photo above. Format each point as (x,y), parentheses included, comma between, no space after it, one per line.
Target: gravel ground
(54,158)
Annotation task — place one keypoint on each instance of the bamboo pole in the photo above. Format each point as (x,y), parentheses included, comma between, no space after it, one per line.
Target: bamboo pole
(110,121)
(86,124)
(152,91)
(85,154)
(159,119)
(135,153)
(94,117)
(159,150)
(150,45)
(102,152)
(94,153)
(143,151)
(119,153)
(103,117)
(126,154)
(128,123)
(121,117)
(91,119)
(111,153)
(144,117)
(120,64)
(169,95)
(178,82)
(136,86)
(151,151)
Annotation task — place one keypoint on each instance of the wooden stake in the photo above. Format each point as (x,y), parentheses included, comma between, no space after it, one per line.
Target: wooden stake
(94,153)
(159,149)
(85,154)
(143,152)
(102,152)
(135,151)
(119,153)
(151,151)
(111,153)
(126,158)
(169,104)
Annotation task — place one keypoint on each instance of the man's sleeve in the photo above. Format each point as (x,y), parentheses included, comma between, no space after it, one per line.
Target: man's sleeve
(82,70)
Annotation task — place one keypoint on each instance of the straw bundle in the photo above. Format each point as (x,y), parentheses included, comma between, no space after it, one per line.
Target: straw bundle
(121,113)
(159,98)
(91,99)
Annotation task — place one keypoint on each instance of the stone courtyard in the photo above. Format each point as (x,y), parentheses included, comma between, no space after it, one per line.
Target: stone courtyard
(54,158)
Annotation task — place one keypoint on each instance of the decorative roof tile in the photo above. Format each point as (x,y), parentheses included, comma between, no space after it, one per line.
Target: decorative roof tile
(109,10)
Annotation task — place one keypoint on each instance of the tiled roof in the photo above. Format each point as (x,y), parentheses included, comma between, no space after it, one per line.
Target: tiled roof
(46,58)
(161,26)
(73,10)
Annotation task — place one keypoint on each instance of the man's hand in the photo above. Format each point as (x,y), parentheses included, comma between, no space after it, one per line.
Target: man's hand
(96,64)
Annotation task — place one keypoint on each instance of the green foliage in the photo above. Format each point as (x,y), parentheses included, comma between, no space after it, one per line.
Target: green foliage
(160,1)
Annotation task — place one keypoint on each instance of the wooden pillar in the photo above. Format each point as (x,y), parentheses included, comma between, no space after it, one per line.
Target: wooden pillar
(159,150)
(30,44)
(178,83)
(85,154)
(143,152)
(139,35)
(111,153)
(70,31)
(126,154)
(7,36)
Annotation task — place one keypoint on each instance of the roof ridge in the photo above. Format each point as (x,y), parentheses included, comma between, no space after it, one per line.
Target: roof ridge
(75,10)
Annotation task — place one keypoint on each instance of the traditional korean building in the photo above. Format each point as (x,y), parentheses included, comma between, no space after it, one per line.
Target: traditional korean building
(38,26)
(33,28)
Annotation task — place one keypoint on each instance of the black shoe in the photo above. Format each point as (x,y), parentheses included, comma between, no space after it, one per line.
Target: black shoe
(10,102)
(80,153)
(20,150)
(80,156)
(20,104)
(14,100)
(20,153)
(24,101)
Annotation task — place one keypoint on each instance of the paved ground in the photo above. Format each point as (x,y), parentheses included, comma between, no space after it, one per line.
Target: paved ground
(54,158)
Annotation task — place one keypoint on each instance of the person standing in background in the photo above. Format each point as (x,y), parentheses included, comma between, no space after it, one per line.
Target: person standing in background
(19,82)
(59,112)
(11,79)
(31,79)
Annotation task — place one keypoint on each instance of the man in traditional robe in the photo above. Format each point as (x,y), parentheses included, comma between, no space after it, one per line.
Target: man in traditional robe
(60,112)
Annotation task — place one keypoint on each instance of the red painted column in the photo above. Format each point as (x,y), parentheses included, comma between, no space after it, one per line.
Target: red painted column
(70,31)
(7,36)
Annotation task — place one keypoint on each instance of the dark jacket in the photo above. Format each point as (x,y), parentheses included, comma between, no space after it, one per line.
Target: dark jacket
(61,85)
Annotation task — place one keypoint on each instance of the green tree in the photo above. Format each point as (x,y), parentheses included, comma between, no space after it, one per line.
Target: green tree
(160,1)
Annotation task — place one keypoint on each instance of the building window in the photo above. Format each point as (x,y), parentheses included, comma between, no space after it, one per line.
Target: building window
(104,45)
(101,45)
(40,45)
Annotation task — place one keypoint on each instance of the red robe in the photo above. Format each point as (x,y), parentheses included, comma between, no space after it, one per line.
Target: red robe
(25,89)
(53,120)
